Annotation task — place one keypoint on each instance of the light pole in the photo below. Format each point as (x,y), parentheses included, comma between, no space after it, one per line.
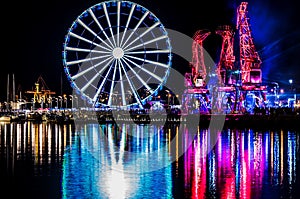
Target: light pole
(51,103)
(291,83)
(66,101)
(60,99)
(168,95)
(71,98)
(76,101)
(56,102)
(33,104)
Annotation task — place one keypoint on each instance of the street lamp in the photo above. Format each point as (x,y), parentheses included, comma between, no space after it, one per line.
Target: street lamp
(76,101)
(56,102)
(281,91)
(60,99)
(291,83)
(71,98)
(168,95)
(50,101)
(33,104)
(66,101)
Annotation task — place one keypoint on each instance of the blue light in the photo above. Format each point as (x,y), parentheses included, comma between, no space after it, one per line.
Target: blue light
(67,39)
(150,16)
(66,70)
(74,26)
(143,10)
(99,7)
(84,14)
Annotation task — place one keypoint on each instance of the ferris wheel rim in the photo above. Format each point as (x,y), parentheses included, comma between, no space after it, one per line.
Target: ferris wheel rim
(117,53)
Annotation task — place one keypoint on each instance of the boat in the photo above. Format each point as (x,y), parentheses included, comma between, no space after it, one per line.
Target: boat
(34,116)
(5,118)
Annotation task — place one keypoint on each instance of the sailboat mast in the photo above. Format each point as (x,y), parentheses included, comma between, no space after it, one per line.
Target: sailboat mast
(7,91)
(14,89)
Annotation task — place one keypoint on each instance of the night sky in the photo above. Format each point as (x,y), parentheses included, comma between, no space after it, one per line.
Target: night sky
(33,33)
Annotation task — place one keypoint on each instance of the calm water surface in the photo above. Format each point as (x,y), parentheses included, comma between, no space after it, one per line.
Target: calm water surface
(147,161)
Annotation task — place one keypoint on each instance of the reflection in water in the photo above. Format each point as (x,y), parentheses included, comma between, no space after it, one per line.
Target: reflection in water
(145,161)
(41,144)
(102,161)
(244,164)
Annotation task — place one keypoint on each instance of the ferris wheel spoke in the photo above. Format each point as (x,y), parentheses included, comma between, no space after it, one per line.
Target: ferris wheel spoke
(86,50)
(95,76)
(145,70)
(90,68)
(86,27)
(122,85)
(135,94)
(99,25)
(86,60)
(136,27)
(127,23)
(101,86)
(88,41)
(146,43)
(149,61)
(118,23)
(112,48)
(112,85)
(147,52)
(143,34)
(138,76)
(109,24)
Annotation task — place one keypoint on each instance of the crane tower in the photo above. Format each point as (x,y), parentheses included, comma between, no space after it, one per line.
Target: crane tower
(249,59)
(227,58)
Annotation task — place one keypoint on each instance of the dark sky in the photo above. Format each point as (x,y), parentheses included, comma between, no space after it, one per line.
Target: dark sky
(33,33)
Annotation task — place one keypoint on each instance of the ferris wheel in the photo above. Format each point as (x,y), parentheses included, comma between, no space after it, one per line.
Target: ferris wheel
(117,53)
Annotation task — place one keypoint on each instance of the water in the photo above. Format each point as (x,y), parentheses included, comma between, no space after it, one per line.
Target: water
(130,161)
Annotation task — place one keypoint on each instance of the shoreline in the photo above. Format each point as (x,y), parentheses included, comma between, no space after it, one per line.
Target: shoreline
(203,120)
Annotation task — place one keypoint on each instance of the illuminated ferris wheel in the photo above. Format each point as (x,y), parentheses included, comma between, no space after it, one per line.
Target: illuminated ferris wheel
(117,53)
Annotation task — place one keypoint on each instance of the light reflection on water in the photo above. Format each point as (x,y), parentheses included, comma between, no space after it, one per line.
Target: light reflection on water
(245,164)
(103,161)
(41,144)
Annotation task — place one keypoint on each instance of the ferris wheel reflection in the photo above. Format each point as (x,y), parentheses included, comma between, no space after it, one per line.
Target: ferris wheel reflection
(107,162)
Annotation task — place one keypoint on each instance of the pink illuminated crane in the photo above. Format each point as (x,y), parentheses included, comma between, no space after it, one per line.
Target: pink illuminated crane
(196,94)
(249,59)
(227,57)
(239,79)
(198,63)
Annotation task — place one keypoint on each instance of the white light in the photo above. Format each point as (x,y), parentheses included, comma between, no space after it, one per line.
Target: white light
(290,81)
(118,53)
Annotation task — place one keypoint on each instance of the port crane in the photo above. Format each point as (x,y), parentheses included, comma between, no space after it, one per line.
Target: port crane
(239,87)
(41,93)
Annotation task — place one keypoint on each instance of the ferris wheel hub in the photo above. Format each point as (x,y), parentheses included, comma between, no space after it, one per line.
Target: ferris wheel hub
(118,53)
